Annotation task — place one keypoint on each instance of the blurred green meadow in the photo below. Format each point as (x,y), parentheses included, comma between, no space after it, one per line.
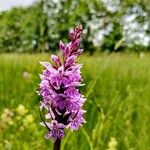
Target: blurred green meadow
(117,88)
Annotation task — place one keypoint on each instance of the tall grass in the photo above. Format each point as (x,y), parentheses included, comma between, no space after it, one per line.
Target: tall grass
(117,90)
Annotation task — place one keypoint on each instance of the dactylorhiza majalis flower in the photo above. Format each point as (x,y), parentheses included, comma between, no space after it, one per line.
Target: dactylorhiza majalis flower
(59,89)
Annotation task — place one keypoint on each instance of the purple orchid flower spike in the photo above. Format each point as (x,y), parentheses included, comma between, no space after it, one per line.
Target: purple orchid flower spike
(59,90)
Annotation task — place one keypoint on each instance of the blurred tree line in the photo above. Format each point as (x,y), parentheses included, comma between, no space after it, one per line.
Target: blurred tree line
(116,25)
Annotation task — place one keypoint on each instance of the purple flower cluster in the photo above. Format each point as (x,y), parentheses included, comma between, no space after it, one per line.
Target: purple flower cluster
(59,88)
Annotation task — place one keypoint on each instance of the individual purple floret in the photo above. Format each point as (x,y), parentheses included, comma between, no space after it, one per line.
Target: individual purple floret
(59,89)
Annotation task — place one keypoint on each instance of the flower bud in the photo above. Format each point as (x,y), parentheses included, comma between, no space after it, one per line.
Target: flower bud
(71,35)
(75,45)
(61,46)
(70,60)
(56,60)
(78,52)
(67,50)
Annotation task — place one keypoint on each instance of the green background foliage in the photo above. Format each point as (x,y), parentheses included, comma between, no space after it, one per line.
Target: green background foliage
(39,27)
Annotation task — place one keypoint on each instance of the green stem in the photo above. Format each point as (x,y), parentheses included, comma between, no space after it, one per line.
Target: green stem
(57,144)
